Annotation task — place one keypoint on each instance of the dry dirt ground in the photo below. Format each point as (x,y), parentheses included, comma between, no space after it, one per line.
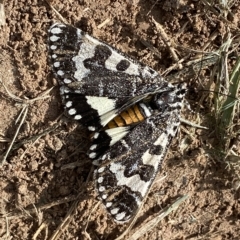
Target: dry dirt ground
(46,181)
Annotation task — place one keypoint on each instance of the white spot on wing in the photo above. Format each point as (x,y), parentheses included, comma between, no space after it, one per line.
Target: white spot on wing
(68,104)
(93,147)
(54,38)
(91,128)
(53,47)
(60,73)
(92,155)
(95,136)
(56,64)
(62,90)
(67,80)
(100,180)
(108,204)
(72,111)
(152,160)
(120,216)
(101,104)
(102,189)
(162,140)
(56,30)
(125,144)
(104,196)
(146,73)
(77,117)
(175,105)
(114,211)
(77,91)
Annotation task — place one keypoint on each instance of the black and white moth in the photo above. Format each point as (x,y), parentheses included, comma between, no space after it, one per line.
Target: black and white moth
(99,84)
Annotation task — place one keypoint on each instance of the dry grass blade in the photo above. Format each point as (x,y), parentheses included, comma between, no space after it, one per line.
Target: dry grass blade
(4,157)
(233,162)
(42,96)
(167,41)
(12,96)
(2,14)
(58,14)
(34,137)
(219,10)
(228,87)
(151,48)
(108,20)
(27,212)
(132,222)
(151,224)
(192,67)
(21,116)
(44,225)
(86,225)
(70,213)
(229,106)
(7,229)
(222,71)
(192,124)
(4,139)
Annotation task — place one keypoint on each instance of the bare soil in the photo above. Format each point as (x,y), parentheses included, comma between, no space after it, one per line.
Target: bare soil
(47,172)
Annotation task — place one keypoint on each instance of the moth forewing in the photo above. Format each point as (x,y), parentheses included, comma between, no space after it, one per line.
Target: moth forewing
(129,167)
(133,111)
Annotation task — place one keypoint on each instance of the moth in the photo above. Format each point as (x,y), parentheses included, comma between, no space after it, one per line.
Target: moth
(131,110)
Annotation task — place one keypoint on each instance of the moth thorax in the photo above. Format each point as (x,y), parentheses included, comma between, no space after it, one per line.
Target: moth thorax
(162,101)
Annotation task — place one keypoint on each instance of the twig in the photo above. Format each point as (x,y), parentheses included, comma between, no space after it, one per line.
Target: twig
(193,67)
(32,138)
(104,23)
(58,14)
(41,227)
(86,225)
(2,14)
(25,111)
(19,213)
(70,213)
(192,124)
(167,41)
(151,48)
(151,224)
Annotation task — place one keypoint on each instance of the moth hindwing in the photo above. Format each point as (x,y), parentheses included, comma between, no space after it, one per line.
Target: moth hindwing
(132,110)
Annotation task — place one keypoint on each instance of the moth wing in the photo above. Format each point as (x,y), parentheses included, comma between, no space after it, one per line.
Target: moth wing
(126,171)
(102,140)
(83,63)
(97,81)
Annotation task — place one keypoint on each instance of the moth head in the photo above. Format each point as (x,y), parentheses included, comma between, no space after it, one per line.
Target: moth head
(169,98)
